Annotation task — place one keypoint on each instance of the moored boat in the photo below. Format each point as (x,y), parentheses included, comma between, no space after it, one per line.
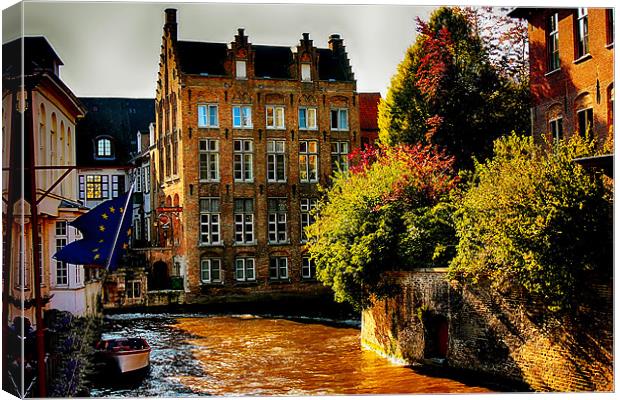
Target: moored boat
(126,354)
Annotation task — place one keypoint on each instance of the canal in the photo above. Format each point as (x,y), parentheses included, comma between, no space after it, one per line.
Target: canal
(198,355)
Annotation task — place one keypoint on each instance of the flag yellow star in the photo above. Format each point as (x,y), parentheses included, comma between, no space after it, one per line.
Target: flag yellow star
(96,257)
(121,209)
(112,209)
(101,228)
(96,250)
(125,246)
(104,216)
(129,232)
(101,240)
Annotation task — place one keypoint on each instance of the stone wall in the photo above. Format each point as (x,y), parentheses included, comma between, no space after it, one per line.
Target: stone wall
(503,335)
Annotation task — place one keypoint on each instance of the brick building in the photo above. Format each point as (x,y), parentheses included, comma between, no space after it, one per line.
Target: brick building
(244,135)
(571,70)
(369,114)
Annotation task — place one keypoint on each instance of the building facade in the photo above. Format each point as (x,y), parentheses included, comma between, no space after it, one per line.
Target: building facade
(54,112)
(369,118)
(245,134)
(571,71)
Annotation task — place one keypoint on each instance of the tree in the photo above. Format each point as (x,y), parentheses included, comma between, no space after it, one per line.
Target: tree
(373,218)
(447,92)
(534,218)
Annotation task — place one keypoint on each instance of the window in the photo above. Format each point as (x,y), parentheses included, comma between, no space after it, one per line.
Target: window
(610,14)
(78,274)
(307,118)
(277,221)
(340,119)
(210,270)
(340,156)
(210,221)
(275,117)
(146,180)
(104,148)
(242,117)
(240,69)
(207,116)
(582,32)
(138,180)
(556,129)
(118,185)
(308,161)
(307,219)
(209,160)
(306,75)
(585,122)
(242,161)
(244,269)
(97,187)
(308,268)
(278,268)
(62,270)
(553,46)
(244,221)
(133,289)
(276,161)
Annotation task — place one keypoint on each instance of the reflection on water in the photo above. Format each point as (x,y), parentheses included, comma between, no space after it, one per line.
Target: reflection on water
(248,355)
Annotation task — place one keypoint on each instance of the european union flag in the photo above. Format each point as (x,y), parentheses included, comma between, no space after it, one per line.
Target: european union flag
(102,238)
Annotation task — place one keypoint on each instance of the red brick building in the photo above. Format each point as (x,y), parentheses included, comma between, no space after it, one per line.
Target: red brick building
(369,113)
(244,136)
(571,70)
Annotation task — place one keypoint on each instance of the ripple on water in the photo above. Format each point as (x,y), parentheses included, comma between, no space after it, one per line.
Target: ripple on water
(198,355)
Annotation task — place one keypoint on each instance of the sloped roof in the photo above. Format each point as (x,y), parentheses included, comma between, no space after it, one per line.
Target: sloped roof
(38,55)
(269,61)
(369,103)
(118,118)
(202,57)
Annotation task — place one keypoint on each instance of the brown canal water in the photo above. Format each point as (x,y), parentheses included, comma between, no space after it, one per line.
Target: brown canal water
(250,355)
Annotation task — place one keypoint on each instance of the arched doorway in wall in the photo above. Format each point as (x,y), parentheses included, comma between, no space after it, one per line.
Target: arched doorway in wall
(159,278)
(437,336)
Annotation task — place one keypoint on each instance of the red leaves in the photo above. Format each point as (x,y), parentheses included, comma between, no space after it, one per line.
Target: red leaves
(437,48)
(360,160)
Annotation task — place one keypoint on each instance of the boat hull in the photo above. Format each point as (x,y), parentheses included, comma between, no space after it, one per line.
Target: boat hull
(131,360)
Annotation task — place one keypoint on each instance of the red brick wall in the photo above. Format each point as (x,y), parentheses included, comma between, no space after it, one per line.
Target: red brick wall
(502,334)
(592,75)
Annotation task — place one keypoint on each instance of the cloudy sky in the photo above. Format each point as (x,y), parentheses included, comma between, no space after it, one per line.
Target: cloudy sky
(112,49)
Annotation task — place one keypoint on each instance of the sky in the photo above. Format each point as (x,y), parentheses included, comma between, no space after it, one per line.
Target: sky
(112,49)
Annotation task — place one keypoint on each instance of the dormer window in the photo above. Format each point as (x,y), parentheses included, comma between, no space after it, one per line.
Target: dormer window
(240,69)
(103,148)
(306,75)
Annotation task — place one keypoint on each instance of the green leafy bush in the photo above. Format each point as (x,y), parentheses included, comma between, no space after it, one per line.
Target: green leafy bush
(382,216)
(533,217)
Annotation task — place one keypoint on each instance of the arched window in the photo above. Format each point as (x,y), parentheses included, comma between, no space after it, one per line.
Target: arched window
(54,139)
(103,147)
(42,135)
(584,114)
(63,143)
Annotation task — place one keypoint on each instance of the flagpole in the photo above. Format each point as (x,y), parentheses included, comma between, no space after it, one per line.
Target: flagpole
(120,225)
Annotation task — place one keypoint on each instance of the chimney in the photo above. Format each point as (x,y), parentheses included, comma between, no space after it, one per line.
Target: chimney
(171,23)
(240,38)
(305,41)
(335,43)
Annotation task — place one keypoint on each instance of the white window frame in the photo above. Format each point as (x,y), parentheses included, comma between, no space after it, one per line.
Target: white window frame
(342,123)
(583,35)
(61,272)
(553,43)
(554,124)
(340,155)
(306,72)
(210,222)
(243,160)
(131,289)
(272,112)
(117,190)
(306,154)
(204,116)
(306,205)
(306,125)
(209,160)
(245,269)
(103,181)
(146,181)
(276,156)
(242,113)
(279,265)
(585,111)
(207,266)
(241,69)
(277,221)
(308,268)
(104,148)
(244,221)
